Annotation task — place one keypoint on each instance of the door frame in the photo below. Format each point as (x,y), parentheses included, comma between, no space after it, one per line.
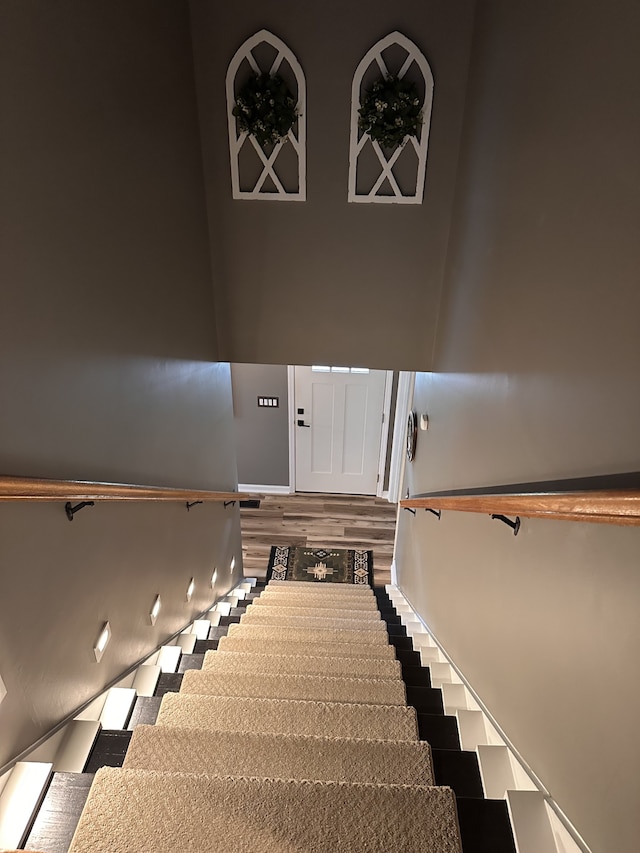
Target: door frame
(384,436)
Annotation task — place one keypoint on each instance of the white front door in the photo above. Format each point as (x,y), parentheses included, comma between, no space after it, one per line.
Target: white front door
(338,426)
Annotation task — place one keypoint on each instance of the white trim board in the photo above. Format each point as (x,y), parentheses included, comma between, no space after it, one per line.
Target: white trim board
(265,490)
(525,779)
(291,409)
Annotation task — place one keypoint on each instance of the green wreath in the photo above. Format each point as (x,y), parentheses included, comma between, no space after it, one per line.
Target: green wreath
(265,108)
(390,111)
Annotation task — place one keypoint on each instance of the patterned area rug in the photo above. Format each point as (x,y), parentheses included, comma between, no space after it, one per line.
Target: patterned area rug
(321,565)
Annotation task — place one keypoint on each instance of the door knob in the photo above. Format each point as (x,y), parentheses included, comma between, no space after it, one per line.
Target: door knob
(302,423)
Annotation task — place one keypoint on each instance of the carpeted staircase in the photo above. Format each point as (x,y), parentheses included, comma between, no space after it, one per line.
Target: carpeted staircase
(310,726)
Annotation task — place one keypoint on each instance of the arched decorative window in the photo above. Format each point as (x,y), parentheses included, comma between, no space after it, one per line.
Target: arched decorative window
(390,175)
(273,171)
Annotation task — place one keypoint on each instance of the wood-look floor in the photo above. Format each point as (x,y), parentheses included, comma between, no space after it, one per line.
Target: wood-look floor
(319,520)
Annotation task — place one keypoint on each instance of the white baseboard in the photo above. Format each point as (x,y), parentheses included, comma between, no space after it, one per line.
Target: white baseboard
(265,490)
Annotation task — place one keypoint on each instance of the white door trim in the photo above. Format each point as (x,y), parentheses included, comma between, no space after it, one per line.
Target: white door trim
(291,394)
(384,436)
(404,399)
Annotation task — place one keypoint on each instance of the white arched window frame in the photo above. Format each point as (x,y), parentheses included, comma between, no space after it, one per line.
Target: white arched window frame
(359,140)
(237,138)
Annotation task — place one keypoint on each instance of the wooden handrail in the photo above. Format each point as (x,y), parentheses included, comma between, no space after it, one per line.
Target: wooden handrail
(603,506)
(34,489)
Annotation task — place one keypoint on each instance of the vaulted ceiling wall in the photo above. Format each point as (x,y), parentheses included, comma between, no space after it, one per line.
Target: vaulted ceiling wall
(324,280)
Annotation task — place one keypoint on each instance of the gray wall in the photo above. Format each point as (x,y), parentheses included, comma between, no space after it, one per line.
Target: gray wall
(537,378)
(327,282)
(261,434)
(107,366)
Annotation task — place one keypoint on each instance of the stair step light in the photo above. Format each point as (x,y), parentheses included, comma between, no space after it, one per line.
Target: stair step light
(117,708)
(20,800)
(153,615)
(102,642)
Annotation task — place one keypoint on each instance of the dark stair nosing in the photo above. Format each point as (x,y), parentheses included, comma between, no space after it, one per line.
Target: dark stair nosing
(397,631)
(458,769)
(109,749)
(403,644)
(225,621)
(426,700)
(414,675)
(145,711)
(203,646)
(190,661)
(408,657)
(215,632)
(58,816)
(169,682)
(439,730)
(485,826)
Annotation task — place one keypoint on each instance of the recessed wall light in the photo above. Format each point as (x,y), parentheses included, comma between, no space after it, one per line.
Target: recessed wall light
(103,641)
(233,564)
(3,690)
(214,577)
(157,604)
(190,589)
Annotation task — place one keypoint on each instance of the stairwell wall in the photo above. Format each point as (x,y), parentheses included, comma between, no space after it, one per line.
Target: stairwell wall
(536,378)
(108,350)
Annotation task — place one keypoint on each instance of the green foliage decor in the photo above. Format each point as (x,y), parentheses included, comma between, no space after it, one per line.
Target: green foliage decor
(390,111)
(265,108)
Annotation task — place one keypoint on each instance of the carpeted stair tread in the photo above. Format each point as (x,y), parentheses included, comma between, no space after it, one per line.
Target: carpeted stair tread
(322,623)
(349,602)
(315,688)
(312,612)
(150,812)
(308,636)
(289,716)
(275,599)
(221,661)
(322,587)
(254,644)
(317,598)
(280,756)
